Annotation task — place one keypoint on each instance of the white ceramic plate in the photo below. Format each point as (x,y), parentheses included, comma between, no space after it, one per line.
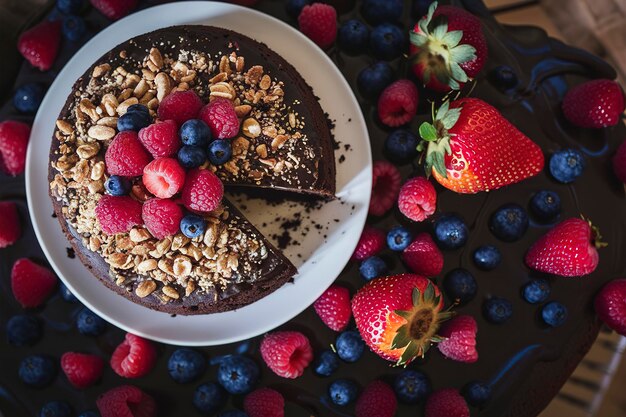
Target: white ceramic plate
(322,259)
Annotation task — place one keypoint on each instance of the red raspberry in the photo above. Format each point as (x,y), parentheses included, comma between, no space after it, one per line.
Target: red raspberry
(10,229)
(161,138)
(114,9)
(164,177)
(371,242)
(220,116)
(126,401)
(118,214)
(397,104)
(134,357)
(180,106)
(126,156)
(417,199)
(619,162)
(82,370)
(162,217)
(385,186)
(13,143)
(318,22)
(31,284)
(286,353)
(423,256)
(203,191)
(377,400)
(333,307)
(460,339)
(610,304)
(446,403)
(40,44)
(264,402)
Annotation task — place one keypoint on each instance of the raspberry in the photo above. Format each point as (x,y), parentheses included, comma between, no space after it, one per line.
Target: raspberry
(417,199)
(371,242)
(13,143)
(446,403)
(82,370)
(377,400)
(126,401)
(126,156)
(220,116)
(423,256)
(203,191)
(161,138)
(31,283)
(286,353)
(318,22)
(459,342)
(333,307)
(264,402)
(40,44)
(134,357)
(619,163)
(10,229)
(385,187)
(397,104)
(118,214)
(163,177)
(162,217)
(610,305)
(180,106)
(114,9)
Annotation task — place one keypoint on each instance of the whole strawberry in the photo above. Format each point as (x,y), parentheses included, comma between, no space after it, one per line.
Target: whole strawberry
(10,228)
(417,199)
(446,403)
(569,249)
(460,339)
(448,47)
(376,400)
(82,370)
(287,353)
(423,256)
(594,104)
(114,9)
(371,242)
(264,402)
(386,181)
(31,284)
(398,316)
(610,305)
(471,147)
(40,44)
(318,21)
(126,401)
(14,137)
(619,163)
(333,307)
(397,104)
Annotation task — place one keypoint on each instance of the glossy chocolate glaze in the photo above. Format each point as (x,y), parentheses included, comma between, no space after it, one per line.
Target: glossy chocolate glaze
(526,362)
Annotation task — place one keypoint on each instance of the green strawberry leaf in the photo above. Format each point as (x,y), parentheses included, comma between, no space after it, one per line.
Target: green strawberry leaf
(402,338)
(428,166)
(443,110)
(438,339)
(423,23)
(452,38)
(440,165)
(428,132)
(411,351)
(418,39)
(420,147)
(415,295)
(429,294)
(450,118)
(404,314)
(457,72)
(463,53)
(452,84)
(440,30)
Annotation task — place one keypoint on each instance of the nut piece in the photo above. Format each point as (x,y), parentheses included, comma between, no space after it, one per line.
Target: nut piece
(108,121)
(147,265)
(145,288)
(279,141)
(240,146)
(222,89)
(254,74)
(170,292)
(88,150)
(182,266)
(121,109)
(239,64)
(251,128)
(261,150)
(243,110)
(100,70)
(163,85)
(100,132)
(65,127)
(97,171)
(156,58)
(139,235)
(225,65)
(266,82)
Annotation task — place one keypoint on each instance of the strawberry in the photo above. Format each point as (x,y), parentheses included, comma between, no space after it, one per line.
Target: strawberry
(114,9)
(610,305)
(31,284)
(446,403)
(333,307)
(460,339)
(126,156)
(594,104)
(385,186)
(417,199)
(82,370)
(264,402)
(448,47)
(619,163)
(10,228)
(180,106)
(162,217)
(126,401)
(569,249)
(376,400)
(471,147)
(134,357)
(423,256)
(397,104)
(318,21)
(203,191)
(371,242)
(40,44)
(163,177)
(118,214)
(287,353)
(14,137)
(398,316)
(161,138)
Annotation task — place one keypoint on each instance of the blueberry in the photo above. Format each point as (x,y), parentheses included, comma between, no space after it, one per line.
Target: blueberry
(66,294)
(504,77)
(192,225)
(209,397)
(450,232)
(487,257)
(554,314)
(27,97)
(350,346)
(89,413)
(545,205)
(37,371)
(373,79)
(195,132)
(23,330)
(89,323)
(387,41)
(477,393)
(134,120)
(326,363)
(186,365)
(294,7)
(372,267)
(536,291)
(238,374)
(138,108)
(74,28)
(220,152)
(509,222)
(343,391)
(566,165)
(55,409)
(460,285)
(117,186)
(379,11)
(69,6)
(401,146)
(353,37)
(232,413)
(497,310)
(412,386)
(399,238)
(191,156)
